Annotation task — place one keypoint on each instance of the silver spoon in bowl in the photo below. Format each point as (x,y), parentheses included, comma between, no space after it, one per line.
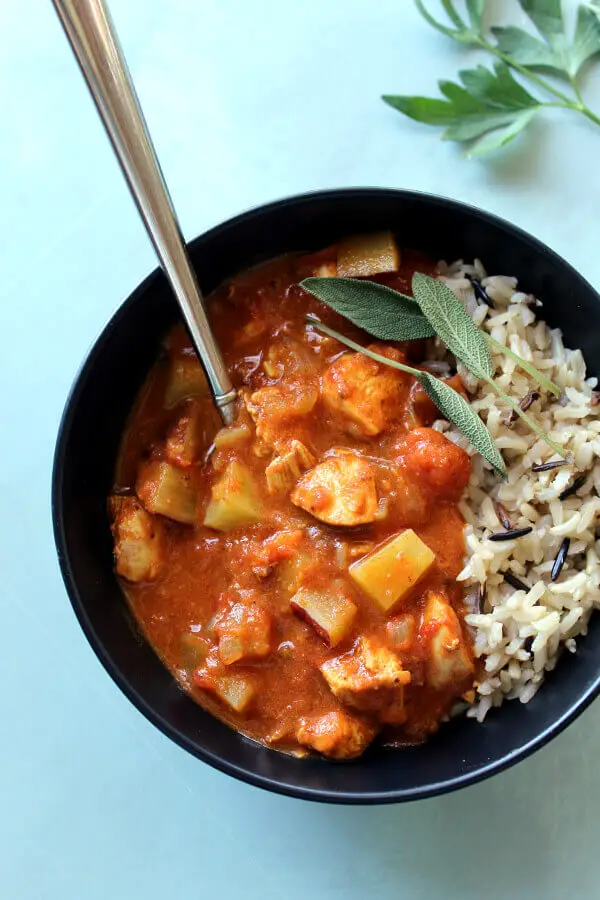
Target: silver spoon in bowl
(92,35)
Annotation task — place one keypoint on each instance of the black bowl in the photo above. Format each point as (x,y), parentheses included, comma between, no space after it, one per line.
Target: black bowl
(463,751)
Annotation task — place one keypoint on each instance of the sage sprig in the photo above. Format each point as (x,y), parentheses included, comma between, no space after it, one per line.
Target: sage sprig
(450,403)
(487,109)
(446,317)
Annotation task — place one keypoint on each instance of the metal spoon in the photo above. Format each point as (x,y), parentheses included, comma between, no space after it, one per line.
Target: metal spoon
(91,33)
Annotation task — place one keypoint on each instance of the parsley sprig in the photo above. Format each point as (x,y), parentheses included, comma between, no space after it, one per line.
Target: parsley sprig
(489,108)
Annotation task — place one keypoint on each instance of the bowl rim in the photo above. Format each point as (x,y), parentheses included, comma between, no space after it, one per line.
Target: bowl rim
(57,510)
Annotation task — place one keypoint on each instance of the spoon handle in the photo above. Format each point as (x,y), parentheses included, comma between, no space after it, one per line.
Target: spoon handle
(91,33)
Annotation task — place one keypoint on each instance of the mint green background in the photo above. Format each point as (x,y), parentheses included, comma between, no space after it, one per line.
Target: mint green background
(247,101)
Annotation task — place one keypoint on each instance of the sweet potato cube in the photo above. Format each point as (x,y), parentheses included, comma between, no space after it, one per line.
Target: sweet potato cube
(186,379)
(368,254)
(168,491)
(234,499)
(392,570)
(139,540)
(330,612)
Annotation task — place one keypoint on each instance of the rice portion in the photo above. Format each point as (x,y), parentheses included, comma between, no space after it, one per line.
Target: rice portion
(518,634)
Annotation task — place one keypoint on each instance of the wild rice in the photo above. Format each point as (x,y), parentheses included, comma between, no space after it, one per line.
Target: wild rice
(536,592)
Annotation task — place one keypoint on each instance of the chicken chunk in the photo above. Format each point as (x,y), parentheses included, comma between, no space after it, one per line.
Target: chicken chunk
(449,661)
(139,540)
(368,393)
(336,734)
(285,469)
(244,633)
(275,407)
(339,491)
(186,439)
(370,678)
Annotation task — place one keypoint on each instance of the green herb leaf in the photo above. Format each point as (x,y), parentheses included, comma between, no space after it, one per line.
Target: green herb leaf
(453,324)
(476,9)
(495,102)
(457,410)
(377,309)
(492,140)
(450,403)
(586,42)
(546,15)
(422,109)
(527,50)
(497,89)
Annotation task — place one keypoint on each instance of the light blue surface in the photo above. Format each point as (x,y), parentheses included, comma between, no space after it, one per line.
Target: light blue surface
(247,102)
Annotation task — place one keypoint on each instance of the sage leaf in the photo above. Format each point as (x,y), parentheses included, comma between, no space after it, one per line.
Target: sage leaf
(457,410)
(453,324)
(377,309)
(450,403)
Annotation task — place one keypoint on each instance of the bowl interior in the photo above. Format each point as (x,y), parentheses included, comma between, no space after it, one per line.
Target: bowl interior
(463,751)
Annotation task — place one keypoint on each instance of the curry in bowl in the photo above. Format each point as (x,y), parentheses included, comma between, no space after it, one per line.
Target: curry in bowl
(296,571)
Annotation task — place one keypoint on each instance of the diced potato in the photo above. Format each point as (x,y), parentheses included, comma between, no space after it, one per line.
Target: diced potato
(244,633)
(339,491)
(235,691)
(330,612)
(194,649)
(370,678)
(368,254)
(291,572)
(139,540)
(336,734)
(286,468)
(231,436)
(185,438)
(449,661)
(389,573)
(234,500)
(368,393)
(326,270)
(186,379)
(168,491)
(402,631)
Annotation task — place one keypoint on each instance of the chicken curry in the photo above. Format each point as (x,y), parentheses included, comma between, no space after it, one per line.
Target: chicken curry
(296,571)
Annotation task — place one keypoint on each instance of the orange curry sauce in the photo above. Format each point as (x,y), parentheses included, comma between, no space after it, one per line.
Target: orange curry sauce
(204,582)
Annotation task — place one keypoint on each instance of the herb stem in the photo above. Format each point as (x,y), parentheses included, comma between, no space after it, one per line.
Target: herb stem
(358,347)
(526,418)
(525,365)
